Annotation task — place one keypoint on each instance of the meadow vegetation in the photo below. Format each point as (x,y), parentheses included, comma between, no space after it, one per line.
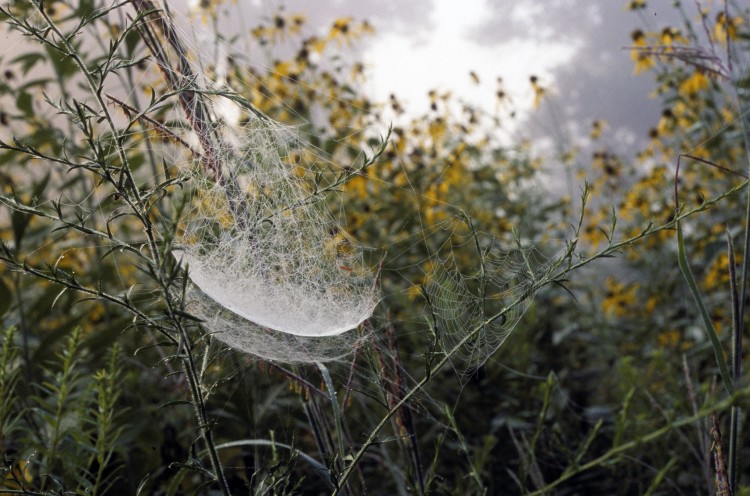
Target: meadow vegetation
(524,343)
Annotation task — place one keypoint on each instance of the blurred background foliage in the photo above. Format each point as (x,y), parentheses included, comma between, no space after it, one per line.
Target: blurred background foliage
(87,403)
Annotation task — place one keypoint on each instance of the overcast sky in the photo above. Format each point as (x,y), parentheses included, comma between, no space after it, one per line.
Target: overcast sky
(575,47)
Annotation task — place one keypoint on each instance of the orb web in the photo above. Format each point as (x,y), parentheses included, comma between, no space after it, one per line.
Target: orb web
(474,310)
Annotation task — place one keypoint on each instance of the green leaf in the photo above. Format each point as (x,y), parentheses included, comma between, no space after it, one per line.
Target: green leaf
(131,42)
(24,103)
(710,330)
(85,9)
(64,66)
(174,484)
(335,408)
(19,220)
(39,187)
(175,403)
(27,61)
(320,469)
(6,297)
(142,485)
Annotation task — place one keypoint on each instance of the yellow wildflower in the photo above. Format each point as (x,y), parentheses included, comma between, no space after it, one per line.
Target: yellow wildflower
(346,30)
(633,204)
(341,27)
(437,130)
(723,26)
(296,21)
(718,272)
(206,9)
(596,128)
(358,72)
(310,46)
(594,232)
(569,156)
(280,27)
(618,297)
(694,84)
(727,114)
(666,123)
(669,36)
(357,187)
(643,61)
(606,162)
(636,5)
(669,339)
(539,92)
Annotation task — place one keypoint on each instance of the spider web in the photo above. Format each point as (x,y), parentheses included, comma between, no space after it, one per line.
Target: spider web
(474,311)
(273,273)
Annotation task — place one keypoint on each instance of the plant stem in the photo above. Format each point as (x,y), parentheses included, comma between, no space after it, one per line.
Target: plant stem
(96,90)
(653,436)
(739,331)
(550,278)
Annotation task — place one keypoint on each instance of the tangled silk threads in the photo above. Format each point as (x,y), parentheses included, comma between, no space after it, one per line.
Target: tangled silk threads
(273,273)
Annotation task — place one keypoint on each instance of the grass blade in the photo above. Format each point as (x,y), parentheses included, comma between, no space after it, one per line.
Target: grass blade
(710,330)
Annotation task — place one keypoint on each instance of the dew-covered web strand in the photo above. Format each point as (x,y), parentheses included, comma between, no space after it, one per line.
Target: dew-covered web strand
(280,102)
(277,274)
(207,280)
(211,269)
(476,312)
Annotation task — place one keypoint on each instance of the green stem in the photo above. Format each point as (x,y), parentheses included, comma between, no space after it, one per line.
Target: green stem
(196,394)
(613,453)
(551,277)
(96,90)
(739,330)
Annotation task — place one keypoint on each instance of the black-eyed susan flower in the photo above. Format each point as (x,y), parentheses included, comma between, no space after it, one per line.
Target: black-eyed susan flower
(618,297)
(667,123)
(726,25)
(642,59)
(670,36)
(636,5)
(346,30)
(694,84)
(539,91)
(597,127)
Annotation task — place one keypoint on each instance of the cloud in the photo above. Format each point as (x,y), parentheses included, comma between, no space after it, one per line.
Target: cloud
(597,82)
